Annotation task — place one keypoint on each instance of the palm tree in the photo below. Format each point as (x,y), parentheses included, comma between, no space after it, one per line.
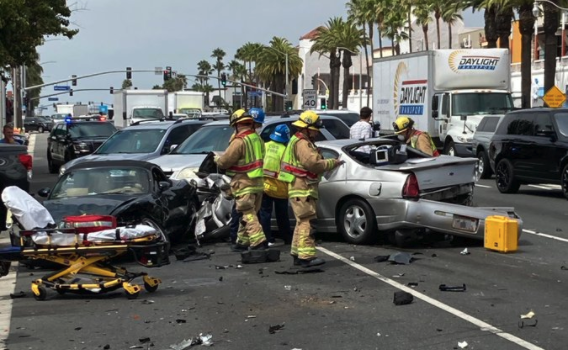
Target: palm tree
(326,42)
(438,8)
(489,15)
(350,38)
(271,66)
(204,69)
(550,26)
(361,13)
(395,27)
(422,11)
(451,13)
(218,54)
(526,27)
(381,8)
(249,54)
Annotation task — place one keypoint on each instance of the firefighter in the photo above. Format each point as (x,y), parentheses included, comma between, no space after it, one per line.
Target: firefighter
(420,140)
(301,168)
(275,191)
(243,161)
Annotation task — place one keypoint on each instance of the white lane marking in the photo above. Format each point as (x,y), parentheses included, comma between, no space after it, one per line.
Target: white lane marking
(546,235)
(484,186)
(547,187)
(486,327)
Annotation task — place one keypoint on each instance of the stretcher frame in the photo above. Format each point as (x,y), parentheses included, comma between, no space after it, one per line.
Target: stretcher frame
(87,258)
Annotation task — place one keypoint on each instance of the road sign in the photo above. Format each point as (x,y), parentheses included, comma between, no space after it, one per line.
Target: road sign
(103,109)
(53,99)
(310,99)
(61,88)
(554,98)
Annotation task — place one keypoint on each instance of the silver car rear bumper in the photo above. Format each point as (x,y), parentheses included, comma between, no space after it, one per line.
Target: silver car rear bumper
(397,214)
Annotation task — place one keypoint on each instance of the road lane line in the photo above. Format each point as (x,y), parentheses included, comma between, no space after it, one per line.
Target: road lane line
(542,187)
(546,235)
(484,186)
(483,326)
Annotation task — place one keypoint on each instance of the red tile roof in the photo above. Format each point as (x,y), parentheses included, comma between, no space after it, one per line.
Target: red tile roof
(310,35)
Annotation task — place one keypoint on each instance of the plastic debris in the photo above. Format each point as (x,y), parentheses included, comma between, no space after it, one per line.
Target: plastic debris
(402,298)
(445,288)
(398,275)
(527,323)
(275,328)
(180,320)
(530,314)
(145,301)
(184,344)
(352,258)
(20,294)
(381,258)
(400,258)
(462,344)
(144,340)
(465,252)
(251,316)
(206,339)
(298,271)
(288,287)
(412,284)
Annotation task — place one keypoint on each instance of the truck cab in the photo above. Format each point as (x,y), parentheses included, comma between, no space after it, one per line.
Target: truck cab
(457,113)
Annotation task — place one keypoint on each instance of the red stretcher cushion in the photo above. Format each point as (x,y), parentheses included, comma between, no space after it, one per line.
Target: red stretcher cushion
(89,223)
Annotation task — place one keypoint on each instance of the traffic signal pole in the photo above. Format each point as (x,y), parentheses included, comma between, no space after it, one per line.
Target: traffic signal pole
(66,92)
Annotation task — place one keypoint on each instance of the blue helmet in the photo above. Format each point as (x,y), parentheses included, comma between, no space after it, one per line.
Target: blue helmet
(257,115)
(281,134)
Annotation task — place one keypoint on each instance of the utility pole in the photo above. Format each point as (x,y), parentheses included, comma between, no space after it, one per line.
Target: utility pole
(16,83)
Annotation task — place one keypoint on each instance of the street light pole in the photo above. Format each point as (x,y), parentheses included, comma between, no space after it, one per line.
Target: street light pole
(286,83)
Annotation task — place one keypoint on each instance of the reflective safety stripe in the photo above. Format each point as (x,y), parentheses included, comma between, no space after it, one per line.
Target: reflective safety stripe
(247,167)
(270,173)
(253,160)
(249,190)
(257,238)
(302,193)
(296,171)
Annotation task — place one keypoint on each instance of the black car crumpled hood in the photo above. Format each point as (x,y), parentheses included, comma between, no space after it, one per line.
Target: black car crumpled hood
(91,205)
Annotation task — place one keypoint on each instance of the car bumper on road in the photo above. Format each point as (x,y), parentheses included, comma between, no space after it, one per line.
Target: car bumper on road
(464,150)
(453,219)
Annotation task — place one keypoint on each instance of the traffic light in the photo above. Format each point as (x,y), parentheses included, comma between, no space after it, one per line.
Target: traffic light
(128,73)
(288,105)
(224,79)
(74,81)
(314,82)
(111,90)
(323,103)
(168,73)
(71,92)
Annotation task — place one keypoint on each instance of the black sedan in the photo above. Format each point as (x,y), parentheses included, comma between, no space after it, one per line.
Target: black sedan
(132,191)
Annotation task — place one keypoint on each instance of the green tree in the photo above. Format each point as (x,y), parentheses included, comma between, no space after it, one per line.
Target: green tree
(33,77)
(438,9)
(218,54)
(451,13)
(382,8)
(126,83)
(271,67)
(204,69)
(24,25)
(177,83)
(550,26)
(249,53)
(423,13)
(395,28)
(350,38)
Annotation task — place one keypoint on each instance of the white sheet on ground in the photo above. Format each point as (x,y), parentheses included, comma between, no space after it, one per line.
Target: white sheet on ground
(27,210)
(105,236)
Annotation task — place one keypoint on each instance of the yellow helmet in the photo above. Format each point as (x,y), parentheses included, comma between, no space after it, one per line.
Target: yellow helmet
(401,124)
(309,119)
(239,116)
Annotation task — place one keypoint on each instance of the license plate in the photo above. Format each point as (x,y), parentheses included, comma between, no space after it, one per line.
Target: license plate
(465,224)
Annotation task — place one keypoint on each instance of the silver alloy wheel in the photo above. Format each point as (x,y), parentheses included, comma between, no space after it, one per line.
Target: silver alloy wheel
(355,221)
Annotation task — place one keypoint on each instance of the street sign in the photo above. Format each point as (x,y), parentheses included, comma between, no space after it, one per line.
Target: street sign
(103,109)
(310,99)
(554,98)
(255,93)
(53,99)
(61,88)
(158,70)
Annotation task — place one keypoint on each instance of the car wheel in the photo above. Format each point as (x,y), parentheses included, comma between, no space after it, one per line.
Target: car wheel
(483,169)
(564,181)
(505,177)
(450,149)
(53,169)
(357,222)
(40,129)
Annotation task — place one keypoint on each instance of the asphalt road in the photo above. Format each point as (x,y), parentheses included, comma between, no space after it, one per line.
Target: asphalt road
(348,306)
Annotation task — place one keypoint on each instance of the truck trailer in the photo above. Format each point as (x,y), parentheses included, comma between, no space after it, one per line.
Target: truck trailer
(445,92)
(131,106)
(186,102)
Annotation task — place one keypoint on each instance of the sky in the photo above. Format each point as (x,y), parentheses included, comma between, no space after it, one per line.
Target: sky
(144,34)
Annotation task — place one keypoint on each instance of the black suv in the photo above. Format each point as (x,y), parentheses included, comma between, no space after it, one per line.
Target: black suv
(39,124)
(72,139)
(530,147)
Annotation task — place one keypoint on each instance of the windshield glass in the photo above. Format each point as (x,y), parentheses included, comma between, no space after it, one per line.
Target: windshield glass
(562,122)
(481,103)
(81,130)
(148,113)
(191,112)
(133,141)
(104,180)
(209,138)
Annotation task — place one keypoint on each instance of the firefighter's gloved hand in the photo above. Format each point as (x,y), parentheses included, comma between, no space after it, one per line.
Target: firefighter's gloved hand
(338,163)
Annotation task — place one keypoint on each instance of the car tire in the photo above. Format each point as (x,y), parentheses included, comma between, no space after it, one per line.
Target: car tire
(564,181)
(483,168)
(40,129)
(53,169)
(450,149)
(357,222)
(505,177)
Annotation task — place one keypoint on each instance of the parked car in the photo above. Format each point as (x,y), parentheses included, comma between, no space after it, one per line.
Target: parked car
(73,138)
(531,147)
(480,144)
(398,192)
(132,191)
(184,161)
(143,141)
(38,124)
(15,170)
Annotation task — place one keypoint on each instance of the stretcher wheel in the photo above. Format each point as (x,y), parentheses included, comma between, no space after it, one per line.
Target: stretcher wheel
(133,295)
(149,288)
(42,293)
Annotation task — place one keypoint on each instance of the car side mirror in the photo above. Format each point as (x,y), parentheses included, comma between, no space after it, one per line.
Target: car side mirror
(435,103)
(164,185)
(172,147)
(44,192)
(435,114)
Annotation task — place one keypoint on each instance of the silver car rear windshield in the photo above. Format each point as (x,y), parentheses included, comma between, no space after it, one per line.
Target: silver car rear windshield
(209,138)
(133,141)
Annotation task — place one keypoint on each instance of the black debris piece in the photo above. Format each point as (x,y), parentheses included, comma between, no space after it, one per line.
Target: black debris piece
(180,320)
(190,254)
(221,279)
(434,255)
(298,271)
(412,284)
(381,258)
(527,323)
(402,298)
(20,294)
(445,288)
(561,268)
(260,256)
(144,340)
(106,347)
(276,328)
(78,328)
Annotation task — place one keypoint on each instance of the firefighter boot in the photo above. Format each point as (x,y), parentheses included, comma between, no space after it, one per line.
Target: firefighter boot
(311,262)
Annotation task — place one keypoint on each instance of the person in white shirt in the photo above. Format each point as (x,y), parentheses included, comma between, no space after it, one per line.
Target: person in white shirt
(363,129)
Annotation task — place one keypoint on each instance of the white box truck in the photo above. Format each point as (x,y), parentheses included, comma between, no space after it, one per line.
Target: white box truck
(131,106)
(186,102)
(445,92)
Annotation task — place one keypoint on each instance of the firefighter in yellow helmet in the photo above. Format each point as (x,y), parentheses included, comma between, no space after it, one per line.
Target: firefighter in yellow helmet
(421,140)
(243,160)
(302,167)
